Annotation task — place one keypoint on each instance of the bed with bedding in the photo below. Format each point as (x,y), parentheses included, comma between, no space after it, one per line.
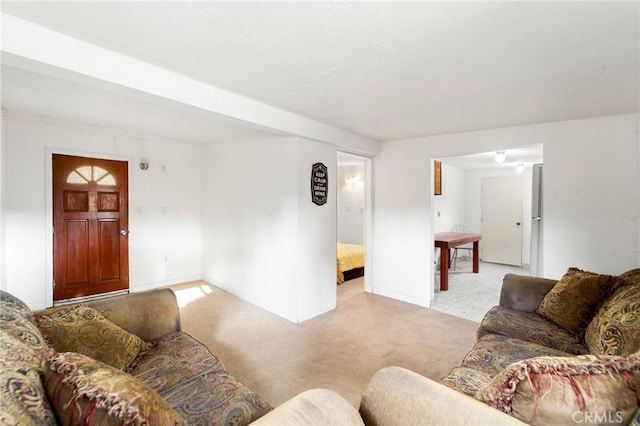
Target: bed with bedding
(350,260)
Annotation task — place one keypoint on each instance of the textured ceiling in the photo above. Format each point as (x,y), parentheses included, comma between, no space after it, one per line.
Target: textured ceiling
(387,70)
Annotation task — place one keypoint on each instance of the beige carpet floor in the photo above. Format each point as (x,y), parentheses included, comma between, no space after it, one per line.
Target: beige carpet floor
(339,350)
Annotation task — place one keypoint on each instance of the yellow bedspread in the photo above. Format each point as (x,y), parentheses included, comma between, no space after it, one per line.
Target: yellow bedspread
(350,256)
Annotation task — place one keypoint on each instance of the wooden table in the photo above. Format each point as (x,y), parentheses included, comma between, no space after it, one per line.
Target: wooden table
(449,240)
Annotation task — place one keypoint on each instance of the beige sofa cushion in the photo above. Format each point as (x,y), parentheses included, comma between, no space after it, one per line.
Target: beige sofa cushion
(96,393)
(574,300)
(615,329)
(530,327)
(561,390)
(495,352)
(313,407)
(466,380)
(194,382)
(84,330)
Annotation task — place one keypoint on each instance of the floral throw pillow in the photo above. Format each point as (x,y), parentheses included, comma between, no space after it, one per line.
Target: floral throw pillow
(567,390)
(615,329)
(98,394)
(22,396)
(574,300)
(84,330)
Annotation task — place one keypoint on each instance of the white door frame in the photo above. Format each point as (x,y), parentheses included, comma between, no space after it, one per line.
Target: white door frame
(368,220)
(48,225)
(368,225)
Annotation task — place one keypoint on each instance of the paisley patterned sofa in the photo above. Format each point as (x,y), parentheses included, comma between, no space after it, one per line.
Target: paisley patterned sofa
(552,352)
(125,360)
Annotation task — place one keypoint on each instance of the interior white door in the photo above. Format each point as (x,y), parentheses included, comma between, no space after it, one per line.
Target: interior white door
(502,220)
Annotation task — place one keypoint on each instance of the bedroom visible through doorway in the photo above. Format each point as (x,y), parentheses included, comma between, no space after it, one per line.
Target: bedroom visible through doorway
(351,179)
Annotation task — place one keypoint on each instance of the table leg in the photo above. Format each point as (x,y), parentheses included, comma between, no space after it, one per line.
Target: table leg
(476,256)
(444,269)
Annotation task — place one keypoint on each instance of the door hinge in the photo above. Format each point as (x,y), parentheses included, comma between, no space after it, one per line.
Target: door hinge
(54,284)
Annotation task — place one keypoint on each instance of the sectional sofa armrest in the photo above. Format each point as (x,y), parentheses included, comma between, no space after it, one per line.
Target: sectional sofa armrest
(523,292)
(312,407)
(396,396)
(148,314)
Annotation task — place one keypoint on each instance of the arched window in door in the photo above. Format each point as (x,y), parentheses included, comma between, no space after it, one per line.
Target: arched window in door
(88,174)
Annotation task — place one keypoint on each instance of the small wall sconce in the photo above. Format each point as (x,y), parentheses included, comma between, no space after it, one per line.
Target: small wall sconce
(352,180)
(500,157)
(144,164)
(520,167)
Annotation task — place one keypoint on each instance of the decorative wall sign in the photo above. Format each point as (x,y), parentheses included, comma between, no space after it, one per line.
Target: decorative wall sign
(437,178)
(319,183)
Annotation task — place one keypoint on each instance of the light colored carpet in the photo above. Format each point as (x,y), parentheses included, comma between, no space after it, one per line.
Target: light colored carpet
(339,350)
(471,295)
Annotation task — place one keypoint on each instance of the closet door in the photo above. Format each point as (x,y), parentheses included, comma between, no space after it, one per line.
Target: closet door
(502,220)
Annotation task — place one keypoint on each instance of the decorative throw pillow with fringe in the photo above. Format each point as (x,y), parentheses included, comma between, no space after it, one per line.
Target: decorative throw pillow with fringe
(564,390)
(84,391)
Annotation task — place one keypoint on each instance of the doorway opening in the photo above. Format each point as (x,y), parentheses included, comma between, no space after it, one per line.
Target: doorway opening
(467,184)
(353,221)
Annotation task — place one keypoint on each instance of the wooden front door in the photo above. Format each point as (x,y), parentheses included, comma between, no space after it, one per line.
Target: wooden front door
(91,226)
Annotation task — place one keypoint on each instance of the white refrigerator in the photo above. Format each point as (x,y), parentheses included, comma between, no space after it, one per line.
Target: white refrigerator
(537,222)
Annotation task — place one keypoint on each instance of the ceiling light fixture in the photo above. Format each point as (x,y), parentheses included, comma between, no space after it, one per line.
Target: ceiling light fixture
(500,156)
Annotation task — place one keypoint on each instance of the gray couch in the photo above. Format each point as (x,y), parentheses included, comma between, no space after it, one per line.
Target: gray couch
(552,352)
(125,360)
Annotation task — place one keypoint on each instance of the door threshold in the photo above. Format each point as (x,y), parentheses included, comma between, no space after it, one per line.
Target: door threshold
(88,298)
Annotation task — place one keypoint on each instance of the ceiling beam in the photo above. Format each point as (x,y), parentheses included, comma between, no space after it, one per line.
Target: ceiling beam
(35,48)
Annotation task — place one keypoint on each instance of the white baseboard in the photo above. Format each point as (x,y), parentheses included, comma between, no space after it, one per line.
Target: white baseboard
(134,288)
(425,303)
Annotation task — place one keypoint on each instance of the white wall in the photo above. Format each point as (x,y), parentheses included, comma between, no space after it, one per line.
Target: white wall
(316,249)
(3,267)
(351,204)
(591,199)
(449,208)
(28,142)
(263,238)
(402,254)
(252,200)
(592,196)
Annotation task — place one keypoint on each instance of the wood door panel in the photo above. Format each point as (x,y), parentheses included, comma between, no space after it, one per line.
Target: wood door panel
(76,201)
(90,209)
(77,251)
(108,202)
(109,250)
